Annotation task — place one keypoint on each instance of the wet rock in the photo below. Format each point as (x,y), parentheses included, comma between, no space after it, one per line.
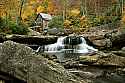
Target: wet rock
(73,40)
(21,62)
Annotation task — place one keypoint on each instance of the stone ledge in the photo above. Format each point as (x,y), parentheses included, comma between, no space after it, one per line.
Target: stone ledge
(25,39)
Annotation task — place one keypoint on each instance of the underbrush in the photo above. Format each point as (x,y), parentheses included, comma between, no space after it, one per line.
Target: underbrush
(10,27)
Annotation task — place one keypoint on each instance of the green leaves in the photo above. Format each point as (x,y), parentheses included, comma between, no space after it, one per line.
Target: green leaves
(11,27)
(57,22)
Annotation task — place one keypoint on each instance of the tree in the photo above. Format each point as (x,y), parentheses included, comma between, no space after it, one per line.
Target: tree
(83,10)
(65,7)
(22,2)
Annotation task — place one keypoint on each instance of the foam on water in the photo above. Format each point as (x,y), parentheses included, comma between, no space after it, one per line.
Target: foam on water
(59,46)
(64,50)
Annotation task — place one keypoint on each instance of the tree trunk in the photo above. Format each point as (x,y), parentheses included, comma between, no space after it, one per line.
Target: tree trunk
(20,12)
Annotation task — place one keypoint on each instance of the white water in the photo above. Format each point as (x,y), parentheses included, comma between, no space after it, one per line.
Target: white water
(84,48)
(59,47)
(55,47)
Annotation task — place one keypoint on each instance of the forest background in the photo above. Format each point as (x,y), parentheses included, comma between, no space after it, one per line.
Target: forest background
(77,15)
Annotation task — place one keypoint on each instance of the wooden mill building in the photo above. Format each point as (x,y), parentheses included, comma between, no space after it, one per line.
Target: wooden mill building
(42,20)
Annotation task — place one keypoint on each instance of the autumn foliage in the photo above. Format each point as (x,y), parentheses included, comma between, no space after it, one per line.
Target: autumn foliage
(75,14)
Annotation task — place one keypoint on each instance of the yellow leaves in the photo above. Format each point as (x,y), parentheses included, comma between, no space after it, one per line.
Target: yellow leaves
(74,12)
(40,9)
(8,7)
(27,12)
(32,2)
(123,19)
(67,24)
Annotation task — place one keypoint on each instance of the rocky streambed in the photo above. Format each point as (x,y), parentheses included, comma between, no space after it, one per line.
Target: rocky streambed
(98,68)
(21,64)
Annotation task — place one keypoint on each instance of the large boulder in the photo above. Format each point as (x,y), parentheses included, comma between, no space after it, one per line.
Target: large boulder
(27,39)
(105,39)
(98,67)
(21,62)
(104,59)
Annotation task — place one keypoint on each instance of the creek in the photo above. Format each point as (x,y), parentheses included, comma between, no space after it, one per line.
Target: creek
(68,47)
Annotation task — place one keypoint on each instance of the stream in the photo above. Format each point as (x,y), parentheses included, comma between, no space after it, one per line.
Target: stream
(68,47)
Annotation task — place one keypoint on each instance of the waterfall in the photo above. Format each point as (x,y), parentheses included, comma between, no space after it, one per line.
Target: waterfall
(55,47)
(84,48)
(69,44)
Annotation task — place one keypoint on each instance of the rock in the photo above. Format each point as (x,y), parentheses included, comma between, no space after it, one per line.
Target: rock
(83,74)
(123,49)
(33,33)
(28,39)
(119,53)
(98,67)
(68,31)
(73,40)
(100,43)
(2,38)
(103,59)
(96,37)
(88,59)
(53,31)
(118,40)
(103,39)
(37,40)
(21,62)
(111,60)
(104,43)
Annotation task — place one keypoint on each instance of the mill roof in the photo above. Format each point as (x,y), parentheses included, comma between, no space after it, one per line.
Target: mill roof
(45,16)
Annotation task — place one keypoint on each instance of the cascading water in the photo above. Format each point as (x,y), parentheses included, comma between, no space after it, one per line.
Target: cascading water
(60,46)
(68,46)
(84,48)
(55,47)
